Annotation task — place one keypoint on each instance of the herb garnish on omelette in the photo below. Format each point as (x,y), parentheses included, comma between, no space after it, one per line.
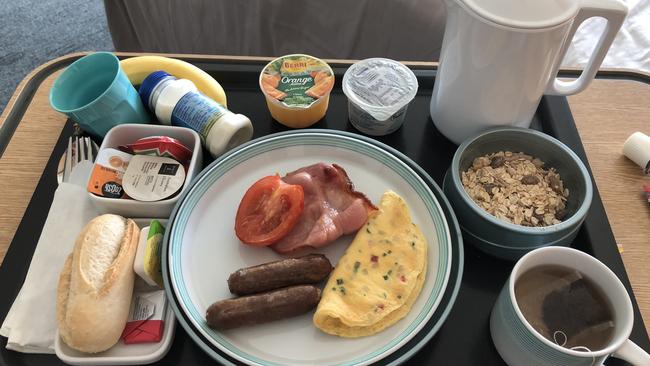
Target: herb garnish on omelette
(379,277)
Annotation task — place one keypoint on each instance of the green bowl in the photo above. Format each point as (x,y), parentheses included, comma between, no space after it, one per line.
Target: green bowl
(507,240)
(497,250)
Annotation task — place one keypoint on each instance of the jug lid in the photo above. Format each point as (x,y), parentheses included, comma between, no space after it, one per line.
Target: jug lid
(524,13)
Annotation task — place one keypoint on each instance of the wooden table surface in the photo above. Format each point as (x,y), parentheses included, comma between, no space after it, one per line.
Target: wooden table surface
(606,114)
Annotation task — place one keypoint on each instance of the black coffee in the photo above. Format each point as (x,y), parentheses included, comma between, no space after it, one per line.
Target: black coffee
(565,307)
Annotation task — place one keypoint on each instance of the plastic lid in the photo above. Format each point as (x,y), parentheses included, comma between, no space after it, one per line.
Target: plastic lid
(149,84)
(380,86)
(524,13)
(230,131)
(637,149)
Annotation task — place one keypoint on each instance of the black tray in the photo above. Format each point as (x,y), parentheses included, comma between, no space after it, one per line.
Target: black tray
(464,339)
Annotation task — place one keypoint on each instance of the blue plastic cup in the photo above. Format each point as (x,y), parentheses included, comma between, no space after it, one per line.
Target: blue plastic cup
(94,92)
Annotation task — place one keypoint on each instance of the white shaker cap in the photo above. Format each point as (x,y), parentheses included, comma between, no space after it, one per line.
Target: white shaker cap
(637,149)
(231,130)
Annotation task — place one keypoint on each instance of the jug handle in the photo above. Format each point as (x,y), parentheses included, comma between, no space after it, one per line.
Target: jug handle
(614,12)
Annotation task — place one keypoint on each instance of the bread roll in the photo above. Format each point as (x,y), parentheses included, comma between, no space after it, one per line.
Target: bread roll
(96,284)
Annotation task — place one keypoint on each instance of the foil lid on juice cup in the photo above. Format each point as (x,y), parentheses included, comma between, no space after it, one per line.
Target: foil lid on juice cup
(297,81)
(380,86)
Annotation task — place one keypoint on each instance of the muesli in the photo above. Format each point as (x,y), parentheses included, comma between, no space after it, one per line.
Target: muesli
(516,188)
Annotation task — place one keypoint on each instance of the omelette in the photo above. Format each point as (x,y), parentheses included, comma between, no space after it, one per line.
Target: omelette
(379,277)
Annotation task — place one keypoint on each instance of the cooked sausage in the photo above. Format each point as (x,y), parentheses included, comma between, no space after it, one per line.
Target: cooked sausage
(287,272)
(262,308)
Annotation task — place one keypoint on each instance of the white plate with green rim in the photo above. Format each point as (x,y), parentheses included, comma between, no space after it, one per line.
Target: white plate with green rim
(201,248)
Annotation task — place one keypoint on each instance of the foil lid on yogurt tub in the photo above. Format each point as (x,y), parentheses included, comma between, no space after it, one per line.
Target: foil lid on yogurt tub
(380,86)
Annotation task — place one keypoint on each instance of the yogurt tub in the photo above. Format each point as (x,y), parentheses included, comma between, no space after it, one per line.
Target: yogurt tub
(379,91)
(297,89)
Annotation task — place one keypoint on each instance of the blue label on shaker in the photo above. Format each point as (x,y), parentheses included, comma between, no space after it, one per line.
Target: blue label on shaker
(197,112)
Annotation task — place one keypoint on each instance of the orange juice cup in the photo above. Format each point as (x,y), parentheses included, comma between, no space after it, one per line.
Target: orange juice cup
(297,89)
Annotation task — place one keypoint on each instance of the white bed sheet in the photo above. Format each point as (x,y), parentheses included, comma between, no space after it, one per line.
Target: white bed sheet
(631,48)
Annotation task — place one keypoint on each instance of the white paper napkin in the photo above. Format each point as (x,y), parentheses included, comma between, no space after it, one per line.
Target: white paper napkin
(30,325)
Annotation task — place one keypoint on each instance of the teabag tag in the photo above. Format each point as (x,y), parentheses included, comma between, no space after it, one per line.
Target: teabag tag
(571,312)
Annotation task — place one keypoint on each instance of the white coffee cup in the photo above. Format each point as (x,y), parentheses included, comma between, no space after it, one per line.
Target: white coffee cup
(519,343)
(499,56)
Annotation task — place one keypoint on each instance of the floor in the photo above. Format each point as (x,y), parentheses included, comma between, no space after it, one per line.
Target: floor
(33,32)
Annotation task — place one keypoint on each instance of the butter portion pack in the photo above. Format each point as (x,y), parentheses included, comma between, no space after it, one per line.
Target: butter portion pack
(147,262)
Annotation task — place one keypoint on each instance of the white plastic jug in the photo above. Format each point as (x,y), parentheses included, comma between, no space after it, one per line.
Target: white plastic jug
(500,56)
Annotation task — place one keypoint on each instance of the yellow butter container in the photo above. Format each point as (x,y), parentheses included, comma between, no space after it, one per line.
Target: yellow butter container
(297,89)
(147,263)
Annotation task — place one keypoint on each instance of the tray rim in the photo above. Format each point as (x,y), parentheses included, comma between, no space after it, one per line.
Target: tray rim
(427,69)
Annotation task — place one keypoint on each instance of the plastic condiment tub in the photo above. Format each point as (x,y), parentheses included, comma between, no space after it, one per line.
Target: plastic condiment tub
(379,91)
(297,89)
(129,133)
